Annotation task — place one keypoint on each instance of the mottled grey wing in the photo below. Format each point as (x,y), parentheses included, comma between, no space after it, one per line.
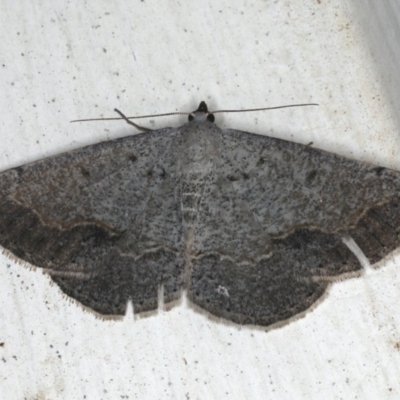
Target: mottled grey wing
(105,220)
(275,213)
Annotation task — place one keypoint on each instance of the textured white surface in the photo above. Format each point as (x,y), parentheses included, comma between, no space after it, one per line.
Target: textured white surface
(61,61)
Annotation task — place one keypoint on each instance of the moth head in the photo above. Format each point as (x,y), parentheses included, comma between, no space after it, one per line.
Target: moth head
(201,114)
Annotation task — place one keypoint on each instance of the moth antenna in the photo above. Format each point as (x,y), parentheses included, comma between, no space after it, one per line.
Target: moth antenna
(142,128)
(187,113)
(265,108)
(200,109)
(125,118)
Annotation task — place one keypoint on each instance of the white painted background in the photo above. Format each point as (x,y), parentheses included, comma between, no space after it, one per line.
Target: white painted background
(65,60)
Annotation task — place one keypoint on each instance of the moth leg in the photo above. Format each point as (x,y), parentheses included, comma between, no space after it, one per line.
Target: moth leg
(141,128)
